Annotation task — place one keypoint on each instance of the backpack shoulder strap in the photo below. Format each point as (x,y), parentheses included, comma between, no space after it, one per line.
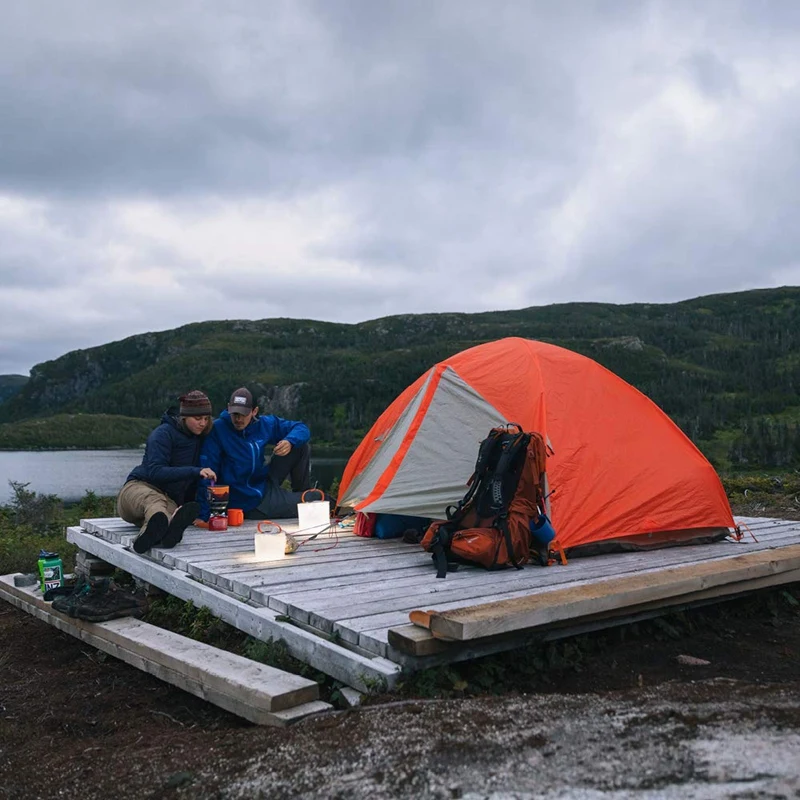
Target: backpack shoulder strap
(485,453)
(511,448)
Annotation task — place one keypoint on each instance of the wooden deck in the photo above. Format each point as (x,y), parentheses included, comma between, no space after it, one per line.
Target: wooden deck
(342,603)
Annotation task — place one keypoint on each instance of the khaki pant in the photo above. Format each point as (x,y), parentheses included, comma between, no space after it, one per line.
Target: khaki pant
(138,501)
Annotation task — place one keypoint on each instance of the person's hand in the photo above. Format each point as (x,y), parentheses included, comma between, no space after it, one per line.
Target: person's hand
(208,474)
(282,448)
(200,523)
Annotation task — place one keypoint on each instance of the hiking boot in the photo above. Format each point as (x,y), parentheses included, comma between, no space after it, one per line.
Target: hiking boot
(107,602)
(153,533)
(180,521)
(64,601)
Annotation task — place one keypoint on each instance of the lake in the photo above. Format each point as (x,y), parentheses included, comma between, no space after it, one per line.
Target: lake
(71,473)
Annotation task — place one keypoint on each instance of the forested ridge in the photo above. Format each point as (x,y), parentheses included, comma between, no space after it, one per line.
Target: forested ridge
(725,367)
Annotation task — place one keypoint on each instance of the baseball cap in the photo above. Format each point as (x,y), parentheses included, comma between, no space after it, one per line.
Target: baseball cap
(241,402)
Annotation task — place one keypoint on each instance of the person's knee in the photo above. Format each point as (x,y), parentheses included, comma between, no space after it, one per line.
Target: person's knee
(300,455)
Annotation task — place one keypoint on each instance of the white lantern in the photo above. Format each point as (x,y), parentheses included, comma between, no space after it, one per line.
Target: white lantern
(314,517)
(270,543)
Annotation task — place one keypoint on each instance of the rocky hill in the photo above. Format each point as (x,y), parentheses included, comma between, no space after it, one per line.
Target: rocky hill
(725,367)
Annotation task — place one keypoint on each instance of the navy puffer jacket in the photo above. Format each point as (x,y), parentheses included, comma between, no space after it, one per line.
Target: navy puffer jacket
(171,458)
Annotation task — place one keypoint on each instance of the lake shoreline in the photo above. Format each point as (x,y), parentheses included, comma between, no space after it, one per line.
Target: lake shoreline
(70,473)
(318,450)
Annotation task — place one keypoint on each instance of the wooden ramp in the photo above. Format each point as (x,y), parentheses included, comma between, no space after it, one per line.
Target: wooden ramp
(343,604)
(256,692)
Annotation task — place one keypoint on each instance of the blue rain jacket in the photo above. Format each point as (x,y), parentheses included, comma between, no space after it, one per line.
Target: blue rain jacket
(239,457)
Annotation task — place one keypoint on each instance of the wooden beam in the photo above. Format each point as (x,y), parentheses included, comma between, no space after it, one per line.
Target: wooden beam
(609,595)
(415,640)
(244,687)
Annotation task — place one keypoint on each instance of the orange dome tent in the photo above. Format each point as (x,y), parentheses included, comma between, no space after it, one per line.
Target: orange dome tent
(620,468)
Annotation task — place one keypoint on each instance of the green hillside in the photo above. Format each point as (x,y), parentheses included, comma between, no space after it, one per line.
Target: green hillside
(725,367)
(78,431)
(10,385)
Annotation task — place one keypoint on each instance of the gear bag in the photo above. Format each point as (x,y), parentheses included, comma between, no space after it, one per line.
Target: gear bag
(490,526)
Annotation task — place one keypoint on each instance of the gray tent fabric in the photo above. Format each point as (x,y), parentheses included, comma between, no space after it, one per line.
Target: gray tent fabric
(364,483)
(439,461)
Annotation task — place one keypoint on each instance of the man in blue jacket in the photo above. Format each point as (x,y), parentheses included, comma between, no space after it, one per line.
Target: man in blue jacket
(253,455)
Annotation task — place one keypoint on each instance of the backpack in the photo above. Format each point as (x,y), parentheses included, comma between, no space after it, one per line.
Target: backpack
(490,526)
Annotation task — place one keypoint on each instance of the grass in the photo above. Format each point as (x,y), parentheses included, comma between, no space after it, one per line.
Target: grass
(33,522)
(200,624)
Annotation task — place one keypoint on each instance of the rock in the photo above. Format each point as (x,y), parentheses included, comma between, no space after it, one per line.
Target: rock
(28,579)
(178,779)
(351,697)
(691,661)
(633,343)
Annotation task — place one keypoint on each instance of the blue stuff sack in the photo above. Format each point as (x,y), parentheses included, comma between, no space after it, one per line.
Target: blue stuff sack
(392,526)
(542,531)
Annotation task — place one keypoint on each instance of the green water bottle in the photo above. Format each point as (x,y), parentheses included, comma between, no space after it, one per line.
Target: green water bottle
(51,571)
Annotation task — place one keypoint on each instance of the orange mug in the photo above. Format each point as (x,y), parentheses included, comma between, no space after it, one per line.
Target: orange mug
(235,517)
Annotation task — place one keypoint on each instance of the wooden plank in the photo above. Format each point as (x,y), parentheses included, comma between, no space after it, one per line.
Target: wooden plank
(233,562)
(364,624)
(234,558)
(260,580)
(360,672)
(470,585)
(722,592)
(265,583)
(339,585)
(232,551)
(417,640)
(322,594)
(114,527)
(573,602)
(414,640)
(246,688)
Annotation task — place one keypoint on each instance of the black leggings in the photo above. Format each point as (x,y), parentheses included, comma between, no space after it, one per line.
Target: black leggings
(281,503)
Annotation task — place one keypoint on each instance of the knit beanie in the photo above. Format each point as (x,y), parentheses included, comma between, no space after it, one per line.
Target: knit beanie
(195,404)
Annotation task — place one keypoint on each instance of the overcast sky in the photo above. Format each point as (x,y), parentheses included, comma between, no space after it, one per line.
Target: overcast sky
(164,163)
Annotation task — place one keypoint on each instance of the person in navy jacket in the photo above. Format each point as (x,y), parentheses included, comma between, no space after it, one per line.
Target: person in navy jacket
(253,455)
(159,494)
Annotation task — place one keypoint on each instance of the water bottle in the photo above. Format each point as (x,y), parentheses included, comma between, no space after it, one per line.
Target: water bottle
(51,571)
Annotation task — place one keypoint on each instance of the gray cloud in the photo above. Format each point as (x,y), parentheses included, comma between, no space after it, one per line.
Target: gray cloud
(347,160)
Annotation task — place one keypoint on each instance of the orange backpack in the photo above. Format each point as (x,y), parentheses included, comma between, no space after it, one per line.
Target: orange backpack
(490,526)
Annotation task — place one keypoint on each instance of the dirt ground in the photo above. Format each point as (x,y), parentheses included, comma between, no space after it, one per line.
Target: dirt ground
(633,721)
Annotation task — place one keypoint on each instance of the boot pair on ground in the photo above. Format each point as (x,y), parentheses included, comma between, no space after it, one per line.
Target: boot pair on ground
(165,532)
(95,600)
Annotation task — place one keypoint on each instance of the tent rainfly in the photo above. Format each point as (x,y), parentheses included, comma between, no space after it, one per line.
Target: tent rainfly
(620,469)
